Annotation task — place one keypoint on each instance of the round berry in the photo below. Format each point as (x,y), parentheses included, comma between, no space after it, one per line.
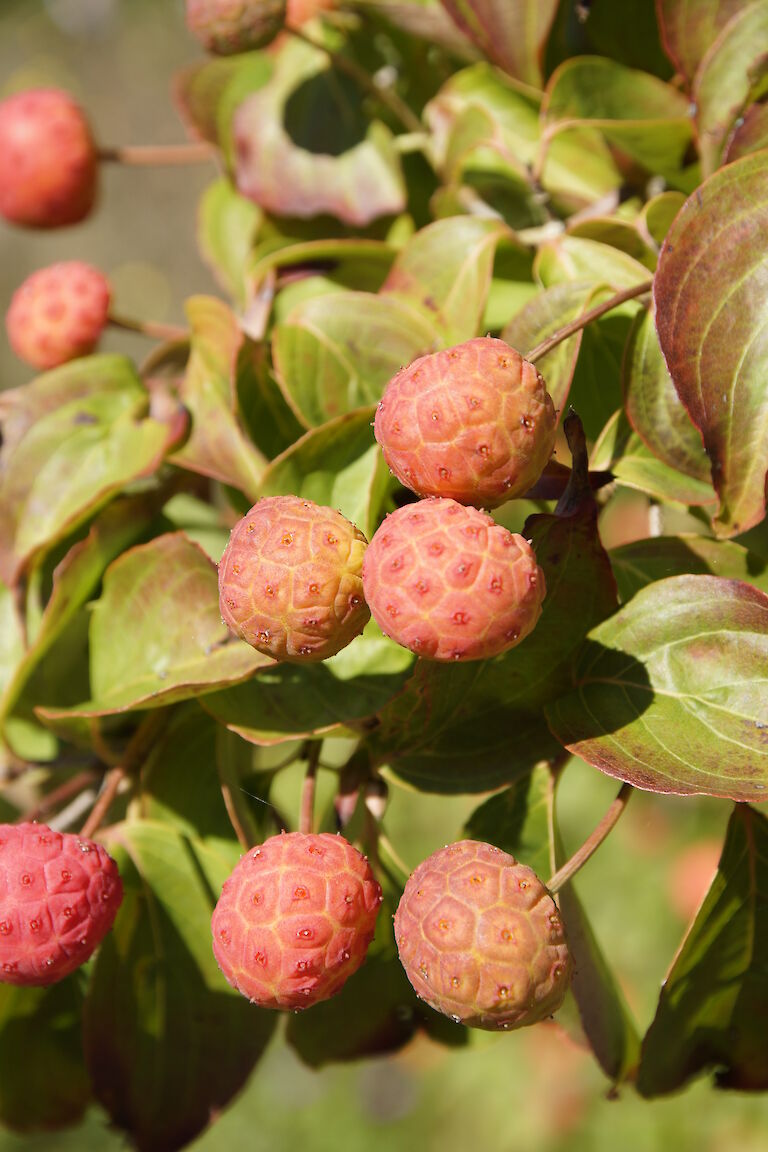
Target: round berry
(474,423)
(449,583)
(229,26)
(295,918)
(481,939)
(58,314)
(59,895)
(48,162)
(290,579)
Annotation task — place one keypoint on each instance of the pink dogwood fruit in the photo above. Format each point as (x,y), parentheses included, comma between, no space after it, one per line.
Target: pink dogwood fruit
(58,314)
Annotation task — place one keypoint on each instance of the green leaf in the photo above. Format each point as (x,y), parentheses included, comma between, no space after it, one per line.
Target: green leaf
(286,701)
(472,727)
(511,35)
(338,465)
(268,421)
(653,406)
(636,112)
(43,1081)
(711,296)
(712,1005)
(517,820)
(156,634)
(303,147)
(671,691)
(200,89)
(573,258)
(168,1042)
(217,445)
(74,456)
(549,311)
(12,638)
(643,561)
(227,225)
(635,466)
(732,73)
(688,29)
(337,353)
(445,273)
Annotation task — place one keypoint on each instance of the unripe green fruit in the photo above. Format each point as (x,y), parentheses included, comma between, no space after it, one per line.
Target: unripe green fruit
(474,423)
(481,939)
(290,579)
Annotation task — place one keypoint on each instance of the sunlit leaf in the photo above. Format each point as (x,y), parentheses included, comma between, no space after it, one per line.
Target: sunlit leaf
(227,224)
(671,691)
(640,563)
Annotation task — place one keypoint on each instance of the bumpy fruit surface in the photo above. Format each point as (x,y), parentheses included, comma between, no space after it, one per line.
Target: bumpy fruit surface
(59,895)
(58,313)
(48,165)
(450,583)
(228,26)
(295,918)
(474,423)
(290,579)
(481,939)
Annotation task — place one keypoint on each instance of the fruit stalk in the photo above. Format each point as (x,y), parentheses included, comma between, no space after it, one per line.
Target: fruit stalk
(593,842)
(307,809)
(158,155)
(151,328)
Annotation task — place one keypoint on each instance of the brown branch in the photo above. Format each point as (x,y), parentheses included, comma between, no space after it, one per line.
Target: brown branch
(135,753)
(593,842)
(587,318)
(150,328)
(159,155)
(59,795)
(112,782)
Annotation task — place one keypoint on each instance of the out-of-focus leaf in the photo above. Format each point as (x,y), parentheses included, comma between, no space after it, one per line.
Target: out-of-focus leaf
(712,1006)
(481,119)
(637,112)
(634,465)
(423,18)
(627,32)
(43,1081)
(640,563)
(217,445)
(287,701)
(671,691)
(517,820)
(654,407)
(168,1042)
(734,71)
(688,29)
(336,353)
(303,148)
(73,457)
(199,90)
(227,224)
(445,272)
(511,35)
(268,421)
(12,638)
(711,293)
(749,135)
(339,465)
(540,318)
(156,632)
(475,726)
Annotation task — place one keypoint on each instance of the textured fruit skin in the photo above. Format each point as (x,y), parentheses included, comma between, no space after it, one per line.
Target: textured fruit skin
(474,423)
(58,313)
(481,939)
(59,895)
(290,579)
(228,26)
(450,583)
(48,163)
(295,918)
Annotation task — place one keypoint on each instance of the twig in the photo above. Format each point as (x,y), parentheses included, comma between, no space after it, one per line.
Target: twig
(112,782)
(239,812)
(159,155)
(150,328)
(385,95)
(306,811)
(135,753)
(587,318)
(58,796)
(593,842)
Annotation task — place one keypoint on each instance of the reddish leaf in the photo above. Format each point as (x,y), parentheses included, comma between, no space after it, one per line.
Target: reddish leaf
(688,29)
(511,35)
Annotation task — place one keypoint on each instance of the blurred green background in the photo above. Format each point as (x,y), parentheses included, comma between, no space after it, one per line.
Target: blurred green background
(532,1091)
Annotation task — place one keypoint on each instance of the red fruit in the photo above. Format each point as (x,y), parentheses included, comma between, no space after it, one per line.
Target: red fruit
(474,423)
(294,919)
(450,583)
(58,314)
(59,895)
(481,939)
(228,26)
(48,162)
(290,579)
